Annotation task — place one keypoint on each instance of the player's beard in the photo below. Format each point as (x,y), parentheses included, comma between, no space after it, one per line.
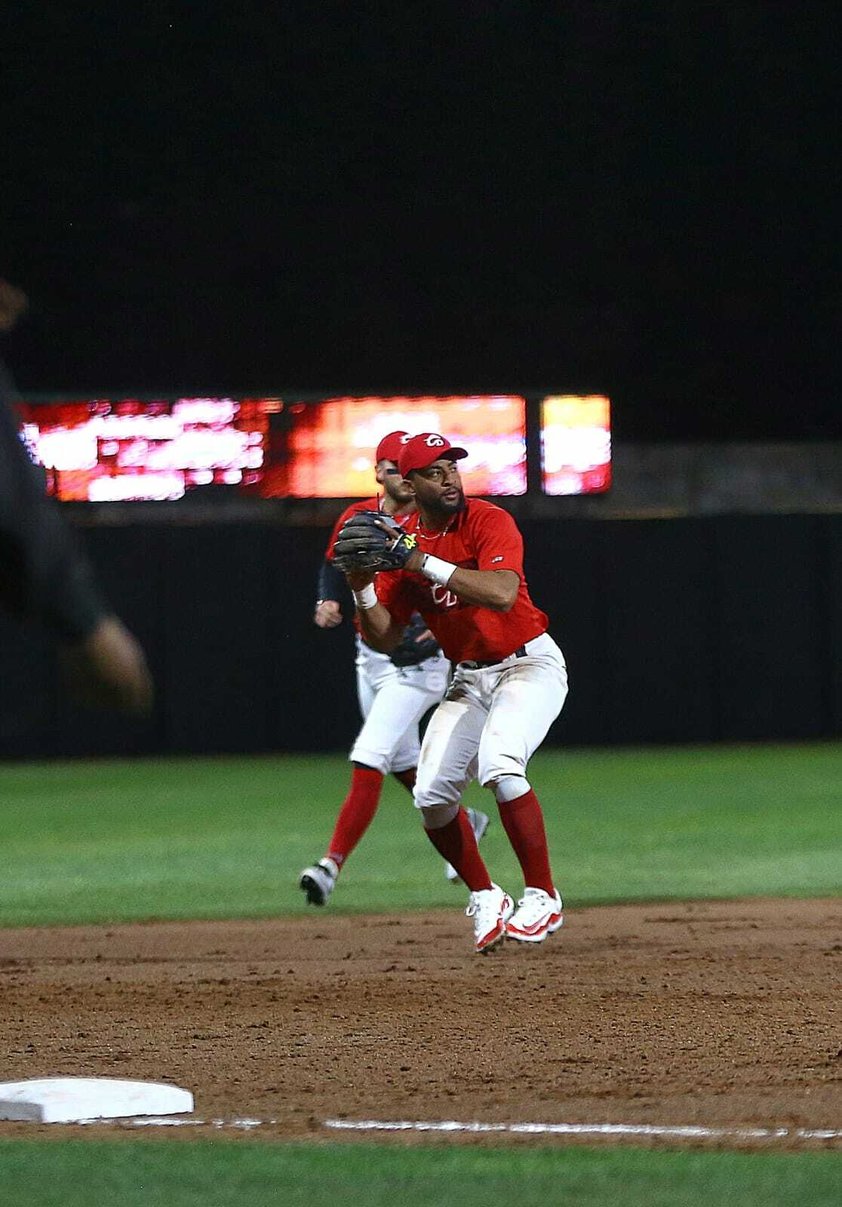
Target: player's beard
(397,490)
(443,508)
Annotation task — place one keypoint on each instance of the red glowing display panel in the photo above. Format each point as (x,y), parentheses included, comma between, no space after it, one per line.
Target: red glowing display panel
(103,451)
(575,444)
(326,449)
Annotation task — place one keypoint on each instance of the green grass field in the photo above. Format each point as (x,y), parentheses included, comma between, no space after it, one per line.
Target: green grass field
(245,1174)
(226,837)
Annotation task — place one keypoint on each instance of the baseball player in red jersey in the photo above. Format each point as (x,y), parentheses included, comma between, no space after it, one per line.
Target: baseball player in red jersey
(395,691)
(465,577)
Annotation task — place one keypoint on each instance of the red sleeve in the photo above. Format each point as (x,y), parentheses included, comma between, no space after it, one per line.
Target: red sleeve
(497,541)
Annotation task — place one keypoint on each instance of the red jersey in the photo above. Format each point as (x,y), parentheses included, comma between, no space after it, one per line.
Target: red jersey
(482,537)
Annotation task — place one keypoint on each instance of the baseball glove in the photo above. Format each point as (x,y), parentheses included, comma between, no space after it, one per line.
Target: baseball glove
(411,650)
(371,541)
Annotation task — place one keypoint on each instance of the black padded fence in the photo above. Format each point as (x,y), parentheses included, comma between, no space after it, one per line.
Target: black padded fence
(725,628)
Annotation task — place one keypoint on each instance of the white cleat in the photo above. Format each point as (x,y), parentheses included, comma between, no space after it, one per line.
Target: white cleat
(317,882)
(479,824)
(490,909)
(538,914)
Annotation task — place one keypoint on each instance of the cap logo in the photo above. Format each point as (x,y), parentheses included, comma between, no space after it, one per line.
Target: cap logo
(434,442)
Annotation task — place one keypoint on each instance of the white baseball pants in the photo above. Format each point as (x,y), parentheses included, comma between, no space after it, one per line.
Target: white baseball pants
(393,700)
(488,726)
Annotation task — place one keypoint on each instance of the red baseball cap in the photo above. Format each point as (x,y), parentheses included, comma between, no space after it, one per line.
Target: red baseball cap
(420,451)
(390,446)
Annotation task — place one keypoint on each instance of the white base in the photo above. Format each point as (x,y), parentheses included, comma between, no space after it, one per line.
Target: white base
(73,1099)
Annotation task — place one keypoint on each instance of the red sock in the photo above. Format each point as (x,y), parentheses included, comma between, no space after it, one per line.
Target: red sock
(357,812)
(523,822)
(457,843)
(407,778)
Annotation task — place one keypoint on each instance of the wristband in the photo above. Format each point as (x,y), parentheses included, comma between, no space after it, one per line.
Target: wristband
(437,569)
(366,597)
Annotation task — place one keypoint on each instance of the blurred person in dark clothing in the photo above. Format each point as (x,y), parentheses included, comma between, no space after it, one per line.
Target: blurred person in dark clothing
(44,575)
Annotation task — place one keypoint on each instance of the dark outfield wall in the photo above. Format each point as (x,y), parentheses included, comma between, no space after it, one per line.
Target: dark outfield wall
(723,628)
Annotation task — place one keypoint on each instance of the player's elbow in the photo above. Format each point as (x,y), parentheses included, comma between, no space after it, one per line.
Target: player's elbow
(384,641)
(504,591)
(383,645)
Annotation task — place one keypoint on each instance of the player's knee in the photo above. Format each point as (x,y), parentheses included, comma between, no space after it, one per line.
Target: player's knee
(372,759)
(436,816)
(507,787)
(435,795)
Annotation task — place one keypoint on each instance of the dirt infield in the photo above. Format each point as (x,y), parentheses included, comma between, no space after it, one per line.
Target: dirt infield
(697,1013)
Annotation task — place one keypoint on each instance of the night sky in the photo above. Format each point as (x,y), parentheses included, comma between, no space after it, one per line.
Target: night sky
(599,195)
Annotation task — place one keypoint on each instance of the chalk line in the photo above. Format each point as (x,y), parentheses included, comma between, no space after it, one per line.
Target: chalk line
(652,1130)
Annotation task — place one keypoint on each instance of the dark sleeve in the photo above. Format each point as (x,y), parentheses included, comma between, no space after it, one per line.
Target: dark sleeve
(44,575)
(331,582)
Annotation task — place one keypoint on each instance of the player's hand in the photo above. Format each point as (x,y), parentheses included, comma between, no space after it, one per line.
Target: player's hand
(328,614)
(109,669)
(414,560)
(13,303)
(417,644)
(369,541)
